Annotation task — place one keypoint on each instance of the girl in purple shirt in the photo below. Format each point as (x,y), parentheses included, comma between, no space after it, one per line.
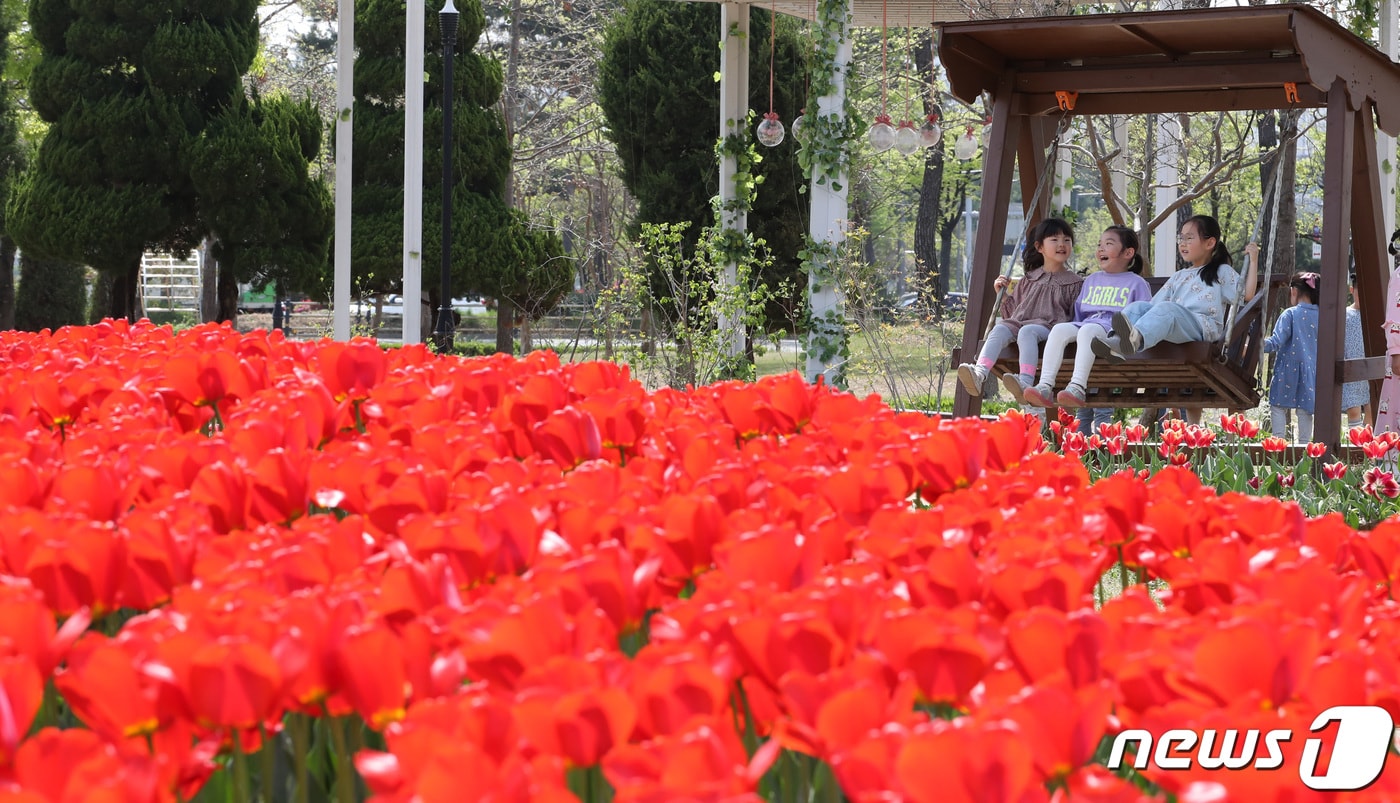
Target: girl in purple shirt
(1118,283)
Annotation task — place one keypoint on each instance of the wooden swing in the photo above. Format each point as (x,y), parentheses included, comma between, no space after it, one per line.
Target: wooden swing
(1215,59)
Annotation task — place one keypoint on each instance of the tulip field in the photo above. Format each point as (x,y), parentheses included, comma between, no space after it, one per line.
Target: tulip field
(235,567)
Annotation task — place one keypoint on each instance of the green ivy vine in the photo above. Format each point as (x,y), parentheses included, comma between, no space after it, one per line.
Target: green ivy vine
(825,155)
(734,246)
(825,152)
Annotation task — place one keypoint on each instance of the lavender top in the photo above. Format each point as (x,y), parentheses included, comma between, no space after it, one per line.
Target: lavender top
(1106,293)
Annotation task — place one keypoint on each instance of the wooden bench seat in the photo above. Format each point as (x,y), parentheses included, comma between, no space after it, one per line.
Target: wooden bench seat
(1188,375)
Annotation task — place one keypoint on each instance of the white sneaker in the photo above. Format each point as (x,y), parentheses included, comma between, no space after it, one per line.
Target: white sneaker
(972,377)
(1041,395)
(1016,386)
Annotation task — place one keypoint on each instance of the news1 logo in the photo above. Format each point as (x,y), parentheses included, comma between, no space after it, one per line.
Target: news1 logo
(1364,737)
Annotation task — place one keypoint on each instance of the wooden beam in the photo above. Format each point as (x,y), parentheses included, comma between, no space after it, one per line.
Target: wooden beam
(1031,159)
(1366,369)
(1165,77)
(1336,251)
(997,162)
(1137,32)
(1204,100)
(1368,238)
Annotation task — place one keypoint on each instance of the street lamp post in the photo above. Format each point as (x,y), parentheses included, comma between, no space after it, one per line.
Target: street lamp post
(447,21)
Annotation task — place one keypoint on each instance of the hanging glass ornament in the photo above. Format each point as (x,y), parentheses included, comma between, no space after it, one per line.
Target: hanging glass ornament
(882,134)
(931,133)
(799,126)
(906,138)
(966,146)
(986,133)
(770,131)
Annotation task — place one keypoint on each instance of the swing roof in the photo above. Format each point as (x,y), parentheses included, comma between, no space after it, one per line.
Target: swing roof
(1210,59)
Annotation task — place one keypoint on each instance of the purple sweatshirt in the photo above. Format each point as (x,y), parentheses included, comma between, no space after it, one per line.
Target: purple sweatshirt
(1106,293)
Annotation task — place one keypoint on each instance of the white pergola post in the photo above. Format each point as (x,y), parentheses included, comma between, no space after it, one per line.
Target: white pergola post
(344,131)
(413,177)
(1119,165)
(733,118)
(1385,144)
(1168,177)
(830,216)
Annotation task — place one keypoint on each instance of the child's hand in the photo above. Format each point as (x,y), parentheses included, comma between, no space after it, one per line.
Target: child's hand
(1001,283)
(1395,365)
(1253,250)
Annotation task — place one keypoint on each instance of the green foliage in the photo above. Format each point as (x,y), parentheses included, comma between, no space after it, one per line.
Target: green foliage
(826,155)
(127,88)
(52,293)
(11,151)
(663,110)
(688,309)
(272,219)
(495,251)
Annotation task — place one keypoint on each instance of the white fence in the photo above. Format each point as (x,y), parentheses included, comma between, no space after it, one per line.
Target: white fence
(170,284)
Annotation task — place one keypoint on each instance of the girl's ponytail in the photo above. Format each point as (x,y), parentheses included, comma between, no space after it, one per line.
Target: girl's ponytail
(1128,238)
(1208,228)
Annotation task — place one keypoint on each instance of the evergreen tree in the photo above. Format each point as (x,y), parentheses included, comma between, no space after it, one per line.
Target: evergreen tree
(127,88)
(662,108)
(270,219)
(494,250)
(52,293)
(11,162)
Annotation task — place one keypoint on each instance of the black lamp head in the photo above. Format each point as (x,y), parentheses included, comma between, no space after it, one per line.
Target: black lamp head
(447,20)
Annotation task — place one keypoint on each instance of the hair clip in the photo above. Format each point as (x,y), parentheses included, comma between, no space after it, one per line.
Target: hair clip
(1310,279)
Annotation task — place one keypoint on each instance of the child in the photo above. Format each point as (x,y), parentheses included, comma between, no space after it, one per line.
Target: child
(1192,304)
(1295,368)
(1118,283)
(1356,396)
(1388,410)
(1042,299)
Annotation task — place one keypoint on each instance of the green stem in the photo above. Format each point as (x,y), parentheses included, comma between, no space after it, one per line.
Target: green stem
(269,757)
(240,769)
(344,771)
(301,752)
(1122,573)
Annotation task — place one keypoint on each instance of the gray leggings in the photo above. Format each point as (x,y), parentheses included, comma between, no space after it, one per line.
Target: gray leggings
(1028,342)
(1279,419)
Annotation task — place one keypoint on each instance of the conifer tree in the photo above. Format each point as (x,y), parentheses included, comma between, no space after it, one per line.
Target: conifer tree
(495,251)
(270,219)
(127,89)
(662,107)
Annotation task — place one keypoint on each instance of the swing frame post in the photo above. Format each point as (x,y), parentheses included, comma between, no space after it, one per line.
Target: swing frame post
(1183,61)
(1336,241)
(997,163)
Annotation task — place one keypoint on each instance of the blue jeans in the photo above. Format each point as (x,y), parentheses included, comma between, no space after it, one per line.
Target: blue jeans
(1164,321)
(1091,417)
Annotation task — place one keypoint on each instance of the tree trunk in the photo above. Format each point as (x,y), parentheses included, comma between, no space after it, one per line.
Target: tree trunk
(278,299)
(932,272)
(124,287)
(208,283)
(7,283)
(505,321)
(102,292)
(527,342)
(945,232)
(228,295)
